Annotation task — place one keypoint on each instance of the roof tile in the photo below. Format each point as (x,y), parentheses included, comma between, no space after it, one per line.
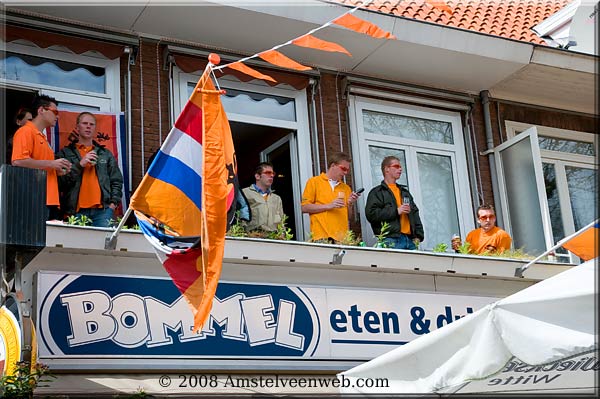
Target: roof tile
(506,18)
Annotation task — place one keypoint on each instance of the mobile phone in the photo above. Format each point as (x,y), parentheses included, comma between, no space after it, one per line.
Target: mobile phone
(360,190)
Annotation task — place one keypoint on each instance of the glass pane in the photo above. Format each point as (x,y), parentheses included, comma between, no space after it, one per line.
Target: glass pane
(523,200)
(376,155)
(256,104)
(407,127)
(562,145)
(558,231)
(583,193)
(438,211)
(54,73)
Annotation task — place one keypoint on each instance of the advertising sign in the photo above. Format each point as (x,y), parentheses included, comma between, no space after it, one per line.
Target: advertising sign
(120,316)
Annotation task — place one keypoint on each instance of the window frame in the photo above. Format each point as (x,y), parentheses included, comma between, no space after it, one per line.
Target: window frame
(303,159)
(361,142)
(110,101)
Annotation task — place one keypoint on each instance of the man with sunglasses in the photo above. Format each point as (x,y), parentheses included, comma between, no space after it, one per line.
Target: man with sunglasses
(326,199)
(266,207)
(488,237)
(392,203)
(32,150)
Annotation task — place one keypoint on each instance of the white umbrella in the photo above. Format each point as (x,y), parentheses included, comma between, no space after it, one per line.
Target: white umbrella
(548,322)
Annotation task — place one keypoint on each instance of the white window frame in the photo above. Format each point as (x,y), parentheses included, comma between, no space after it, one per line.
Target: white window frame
(106,102)
(361,166)
(559,160)
(303,172)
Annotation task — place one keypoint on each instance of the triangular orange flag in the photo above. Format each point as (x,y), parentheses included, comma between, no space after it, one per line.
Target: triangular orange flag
(441,4)
(276,58)
(243,68)
(311,41)
(361,26)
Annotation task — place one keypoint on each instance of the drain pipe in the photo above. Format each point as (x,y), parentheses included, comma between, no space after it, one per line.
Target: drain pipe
(485,102)
(315,134)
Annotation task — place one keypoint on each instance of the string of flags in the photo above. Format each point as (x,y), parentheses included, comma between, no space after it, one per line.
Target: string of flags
(347,20)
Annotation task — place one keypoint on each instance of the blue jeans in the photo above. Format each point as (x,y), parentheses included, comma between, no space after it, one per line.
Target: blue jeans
(100,217)
(402,242)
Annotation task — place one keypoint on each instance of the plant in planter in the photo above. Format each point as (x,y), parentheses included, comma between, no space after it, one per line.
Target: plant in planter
(283,232)
(441,247)
(385,229)
(24,380)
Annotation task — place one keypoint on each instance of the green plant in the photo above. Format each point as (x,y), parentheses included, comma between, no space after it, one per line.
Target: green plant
(385,229)
(79,220)
(517,253)
(350,239)
(441,247)
(139,394)
(282,232)
(464,248)
(24,380)
(237,229)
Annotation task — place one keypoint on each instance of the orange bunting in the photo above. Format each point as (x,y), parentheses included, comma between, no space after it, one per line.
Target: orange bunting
(361,26)
(440,4)
(311,41)
(243,68)
(276,58)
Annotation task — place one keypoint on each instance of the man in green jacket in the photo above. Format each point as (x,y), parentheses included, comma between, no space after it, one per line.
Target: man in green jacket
(93,187)
(265,206)
(392,203)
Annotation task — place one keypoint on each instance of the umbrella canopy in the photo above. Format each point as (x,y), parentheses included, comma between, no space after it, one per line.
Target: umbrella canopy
(550,325)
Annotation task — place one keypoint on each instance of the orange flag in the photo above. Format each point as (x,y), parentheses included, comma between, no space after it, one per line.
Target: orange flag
(361,26)
(276,58)
(441,4)
(311,41)
(243,68)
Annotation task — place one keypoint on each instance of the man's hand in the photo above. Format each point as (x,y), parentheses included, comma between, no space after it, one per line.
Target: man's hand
(337,203)
(89,159)
(112,206)
(353,197)
(61,166)
(404,208)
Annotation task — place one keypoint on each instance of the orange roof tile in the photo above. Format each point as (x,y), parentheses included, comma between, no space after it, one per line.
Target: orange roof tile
(506,18)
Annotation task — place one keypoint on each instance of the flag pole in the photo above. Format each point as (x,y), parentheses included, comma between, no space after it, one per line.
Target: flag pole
(110,241)
(519,270)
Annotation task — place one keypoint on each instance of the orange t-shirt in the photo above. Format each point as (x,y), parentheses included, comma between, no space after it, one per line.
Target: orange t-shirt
(404,222)
(89,191)
(495,241)
(30,143)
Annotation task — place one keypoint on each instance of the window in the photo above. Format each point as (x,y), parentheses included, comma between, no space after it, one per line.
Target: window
(430,147)
(561,194)
(78,82)
(267,124)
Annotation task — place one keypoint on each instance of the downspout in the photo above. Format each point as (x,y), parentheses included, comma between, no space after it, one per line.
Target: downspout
(485,102)
(475,193)
(130,61)
(312,112)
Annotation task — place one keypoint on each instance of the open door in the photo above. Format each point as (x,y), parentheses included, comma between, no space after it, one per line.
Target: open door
(523,193)
(281,155)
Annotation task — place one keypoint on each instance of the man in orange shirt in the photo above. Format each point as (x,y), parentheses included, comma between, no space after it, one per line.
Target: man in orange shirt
(31,149)
(94,186)
(326,199)
(487,238)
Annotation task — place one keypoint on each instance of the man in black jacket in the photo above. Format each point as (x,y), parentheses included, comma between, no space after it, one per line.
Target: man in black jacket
(392,203)
(94,186)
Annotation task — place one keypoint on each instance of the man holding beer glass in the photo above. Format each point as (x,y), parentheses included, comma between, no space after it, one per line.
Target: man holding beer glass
(392,203)
(488,237)
(94,185)
(326,199)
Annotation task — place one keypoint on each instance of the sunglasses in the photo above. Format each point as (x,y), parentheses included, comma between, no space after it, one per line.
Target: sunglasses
(484,218)
(268,173)
(54,111)
(395,166)
(343,168)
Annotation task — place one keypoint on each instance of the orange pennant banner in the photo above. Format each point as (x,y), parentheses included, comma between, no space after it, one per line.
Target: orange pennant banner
(276,58)
(361,26)
(440,4)
(243,68)
(311,41)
